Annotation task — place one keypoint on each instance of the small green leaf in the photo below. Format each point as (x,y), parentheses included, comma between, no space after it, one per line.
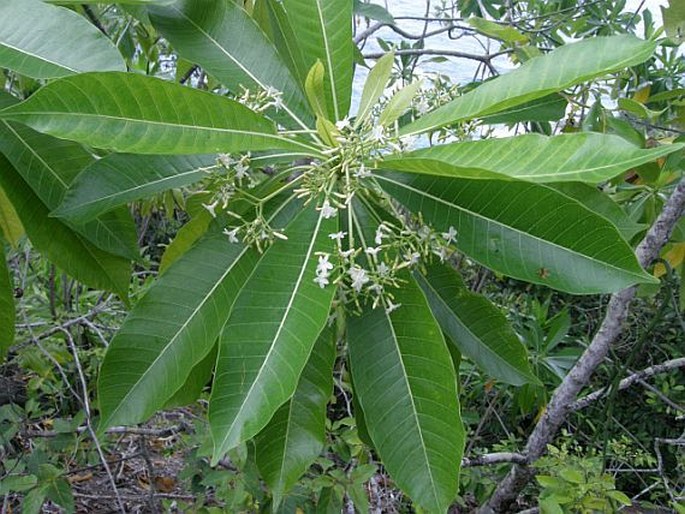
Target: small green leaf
(17,483)
(399,103)
(313,86)
(674,20)
(10,224)
(494,30)
(373,12)
(375,85)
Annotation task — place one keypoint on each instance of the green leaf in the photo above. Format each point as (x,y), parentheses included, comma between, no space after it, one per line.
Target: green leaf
(674,21)
(295,436)
(563,67)
(227,42)
(374,86)
(273,19)
(599,202)
(132,113)
(620,497)
(121,2)
(324,29)
(398,104)
(118,179)
(373,12)
(17,483)
(524,230)
(10,224)
(197,379)
(584,156)
(270,334)
(548,108)
(314,87)
(407,386)
(44,41)
(59,243)
(171,329)
(475,326)
(59,493)
(7,309)
(497,31)
(49,165)
(185,239)
(34,499)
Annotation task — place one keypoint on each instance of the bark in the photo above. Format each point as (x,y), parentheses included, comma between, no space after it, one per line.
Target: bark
(564,396)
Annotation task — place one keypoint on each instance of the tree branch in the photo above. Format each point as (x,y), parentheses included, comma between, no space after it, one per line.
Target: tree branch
(562,400)
(493,458)
(636,377)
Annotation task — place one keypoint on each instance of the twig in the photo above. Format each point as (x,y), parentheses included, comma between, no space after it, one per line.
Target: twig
(564,396)
(494,458)
(89,425)
(629,381)
(163,432)
(485,59)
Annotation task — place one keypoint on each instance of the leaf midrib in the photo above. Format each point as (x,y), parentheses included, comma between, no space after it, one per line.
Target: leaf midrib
(38,57)
(275,338)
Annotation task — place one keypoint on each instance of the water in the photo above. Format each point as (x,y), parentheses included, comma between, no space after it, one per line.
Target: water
(457,69)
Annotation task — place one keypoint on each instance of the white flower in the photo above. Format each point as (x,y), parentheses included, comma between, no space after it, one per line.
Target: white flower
(412,258)
(338,236)
(422,106)
(211,208)
(372,251)
(343,124)
(232,235)
(280,235)
(392,306)
(275,97)
(327,210)
(322,281)
(346,254)
(241,170)
(359,277)
(323,267)
(450,236)
(383,269)
(225,160)
(362,172)
(424,233)
(379,234)
(378,133)
(408,142)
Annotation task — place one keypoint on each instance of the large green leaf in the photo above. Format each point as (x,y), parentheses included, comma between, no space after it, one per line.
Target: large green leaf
(524,230)
(118,179)
(133,113)
(584,157)
(44,41)
(324,30)
(547,108)
(175,325)
(198,378)
(407,387)
(295,436)
(59,243)
(478,328)
(274,21)
(227,42)
(268,338)
(567,65)
(7,312)
(49,165)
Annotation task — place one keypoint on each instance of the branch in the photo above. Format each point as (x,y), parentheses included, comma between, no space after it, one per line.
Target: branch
(629,381)
(493,458)
(562,400)
(485,59)
(163,432)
